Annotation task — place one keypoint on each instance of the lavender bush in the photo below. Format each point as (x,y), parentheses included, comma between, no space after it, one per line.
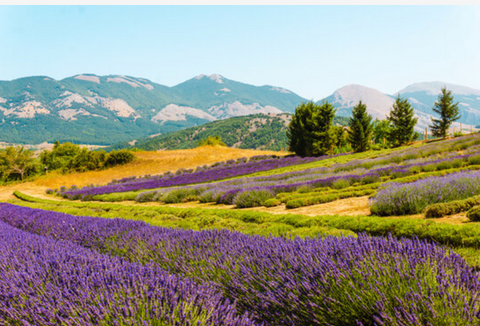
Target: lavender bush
(414,197)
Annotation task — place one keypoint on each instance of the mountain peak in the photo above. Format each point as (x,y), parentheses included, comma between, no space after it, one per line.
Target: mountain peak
(434,88)
(214,77)
(345,98)
(88,77)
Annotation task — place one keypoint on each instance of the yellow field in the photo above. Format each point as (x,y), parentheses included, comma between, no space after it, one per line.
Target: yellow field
(146,163)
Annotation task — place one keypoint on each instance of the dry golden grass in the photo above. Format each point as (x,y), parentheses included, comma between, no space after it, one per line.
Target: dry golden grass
(151,163)
(147,163)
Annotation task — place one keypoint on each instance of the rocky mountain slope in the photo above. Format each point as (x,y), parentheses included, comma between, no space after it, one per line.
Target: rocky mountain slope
(103,110)
(106,109)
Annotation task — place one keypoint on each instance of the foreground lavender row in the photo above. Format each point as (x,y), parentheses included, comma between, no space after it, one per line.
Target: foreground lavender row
(54,282)
(330,281)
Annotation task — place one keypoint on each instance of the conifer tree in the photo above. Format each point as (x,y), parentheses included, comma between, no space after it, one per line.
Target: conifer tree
(402,122)
(360,132)
(448,112)
(310,132)
(381,132)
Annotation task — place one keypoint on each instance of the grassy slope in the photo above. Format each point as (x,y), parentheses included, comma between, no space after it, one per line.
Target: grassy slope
(147,163)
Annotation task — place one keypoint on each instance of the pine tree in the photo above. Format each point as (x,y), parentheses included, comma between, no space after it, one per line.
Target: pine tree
(360,132)
(402,122)
(381,132)
(310,132)
(448,112)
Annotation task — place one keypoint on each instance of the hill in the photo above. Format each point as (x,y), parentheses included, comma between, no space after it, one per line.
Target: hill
(103,110)
(259,131)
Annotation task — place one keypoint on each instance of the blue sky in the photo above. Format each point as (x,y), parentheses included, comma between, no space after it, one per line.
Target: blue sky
(311,50)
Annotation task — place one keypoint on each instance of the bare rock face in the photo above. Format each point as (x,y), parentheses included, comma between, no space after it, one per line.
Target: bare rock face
(173,112)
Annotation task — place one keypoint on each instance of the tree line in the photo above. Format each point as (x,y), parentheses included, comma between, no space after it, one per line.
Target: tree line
(311,131)
(18,163)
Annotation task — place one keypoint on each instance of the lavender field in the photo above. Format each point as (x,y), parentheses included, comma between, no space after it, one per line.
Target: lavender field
(86,270)
(84,261)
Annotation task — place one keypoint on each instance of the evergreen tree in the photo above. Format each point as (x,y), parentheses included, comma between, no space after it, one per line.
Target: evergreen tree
(340,136)
(360,132)
(381,132)
(448,112)
(310,132)
(402,122)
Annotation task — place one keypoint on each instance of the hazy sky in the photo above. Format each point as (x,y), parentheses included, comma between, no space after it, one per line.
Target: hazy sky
(311,50)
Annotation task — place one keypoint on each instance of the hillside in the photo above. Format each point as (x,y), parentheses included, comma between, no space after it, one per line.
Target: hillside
(102,110)
(259,131)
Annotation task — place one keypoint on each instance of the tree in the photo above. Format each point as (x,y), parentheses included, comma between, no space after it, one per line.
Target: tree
(340,136)
(17,161)
(448,112)
(381,132)
(211,141)
(310,131)
(360,132)
(403,122)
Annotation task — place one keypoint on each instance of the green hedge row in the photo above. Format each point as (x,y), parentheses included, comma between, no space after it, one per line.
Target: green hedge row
(453,207)
(466,235)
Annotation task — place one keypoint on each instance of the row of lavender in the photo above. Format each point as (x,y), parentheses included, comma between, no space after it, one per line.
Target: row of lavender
(330,281)
(198,176)
(414,197)
(227,192)
(410,156)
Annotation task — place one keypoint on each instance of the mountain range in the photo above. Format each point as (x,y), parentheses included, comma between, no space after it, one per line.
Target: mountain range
(103,110)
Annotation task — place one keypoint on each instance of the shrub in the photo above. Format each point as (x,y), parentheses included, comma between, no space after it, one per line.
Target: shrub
(429,168)
(209,196)
(178,195)
(474,160)
(295,203)
(474,214)
(119,157)
(444,165)
(370,178)
(272,202)
(413,198)
(212,141)
(146,196)
(340,184)
(305,189)
(228,197)
(252,198)
(416,169)
(454,207)
(400,173)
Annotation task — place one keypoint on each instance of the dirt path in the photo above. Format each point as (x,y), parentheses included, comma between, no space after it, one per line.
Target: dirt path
(347,207)
(29,188)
